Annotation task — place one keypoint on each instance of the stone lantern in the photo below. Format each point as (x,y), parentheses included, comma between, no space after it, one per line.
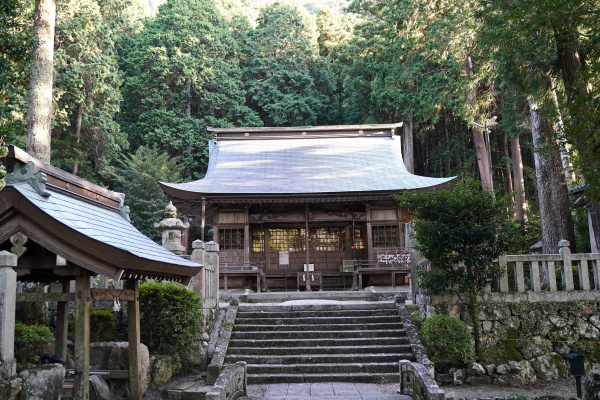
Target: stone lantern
(171,228)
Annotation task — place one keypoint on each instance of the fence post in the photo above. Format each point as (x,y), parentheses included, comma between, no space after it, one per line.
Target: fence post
(8,299)
(552,276)
(584,275)
(503,286)
(596,264)
(197,282)
(534,269)
(567,270)
(519,277)
(211,267)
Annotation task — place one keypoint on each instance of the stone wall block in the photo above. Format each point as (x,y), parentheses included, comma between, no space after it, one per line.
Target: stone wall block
(42,383)
(9,389)
(591,385)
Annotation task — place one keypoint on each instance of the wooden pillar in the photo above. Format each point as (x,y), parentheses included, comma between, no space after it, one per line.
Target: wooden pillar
(62,325)
(370,255)
(8,294)
(133,331)
(81,386)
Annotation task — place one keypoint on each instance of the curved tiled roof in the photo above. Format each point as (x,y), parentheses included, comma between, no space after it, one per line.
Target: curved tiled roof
(309,165)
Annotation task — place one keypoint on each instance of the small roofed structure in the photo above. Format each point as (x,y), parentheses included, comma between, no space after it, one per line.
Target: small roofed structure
(298,198)
(61,228)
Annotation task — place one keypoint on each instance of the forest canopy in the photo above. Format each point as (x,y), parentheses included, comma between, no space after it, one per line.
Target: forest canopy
(139,78)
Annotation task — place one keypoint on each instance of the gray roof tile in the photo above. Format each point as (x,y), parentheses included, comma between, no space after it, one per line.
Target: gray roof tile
(305,166)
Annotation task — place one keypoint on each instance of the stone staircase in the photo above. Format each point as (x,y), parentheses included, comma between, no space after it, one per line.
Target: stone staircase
(341,342)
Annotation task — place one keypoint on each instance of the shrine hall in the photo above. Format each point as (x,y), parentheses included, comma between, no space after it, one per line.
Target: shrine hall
(321,199)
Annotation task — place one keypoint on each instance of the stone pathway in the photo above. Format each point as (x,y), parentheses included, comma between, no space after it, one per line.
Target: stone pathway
(324,391)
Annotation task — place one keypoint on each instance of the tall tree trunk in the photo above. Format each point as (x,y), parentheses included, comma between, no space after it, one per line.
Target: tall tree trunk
(478,140)
(78,124)
(39,114)
(555,212)
(519,180)
(571,63)
(409,155)
(509,181)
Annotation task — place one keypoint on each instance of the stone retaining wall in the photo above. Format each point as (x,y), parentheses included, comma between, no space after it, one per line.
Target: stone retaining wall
(536,332)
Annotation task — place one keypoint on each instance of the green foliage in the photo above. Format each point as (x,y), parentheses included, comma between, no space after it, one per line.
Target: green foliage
(103,325)
(171,316)
(460,230)
(288,84)
(16,44)
(137,176)
(448,340)
(30,342)
(85,134)
(181,75)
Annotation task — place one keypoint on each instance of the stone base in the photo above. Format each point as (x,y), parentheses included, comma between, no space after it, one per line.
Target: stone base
(9,389)
(8,369)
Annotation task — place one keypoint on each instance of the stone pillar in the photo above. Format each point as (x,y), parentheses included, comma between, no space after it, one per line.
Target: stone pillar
(172,228)
(197,282)
(8,296)
(211,277)
(563,248)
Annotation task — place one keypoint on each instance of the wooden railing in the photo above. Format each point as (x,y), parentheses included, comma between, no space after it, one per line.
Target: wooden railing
(549,272)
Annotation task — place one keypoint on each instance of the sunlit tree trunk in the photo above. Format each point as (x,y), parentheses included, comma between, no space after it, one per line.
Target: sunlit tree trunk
(478,140)
(39,115)
(409,156)
(571,62)
(519,180)
(555,212)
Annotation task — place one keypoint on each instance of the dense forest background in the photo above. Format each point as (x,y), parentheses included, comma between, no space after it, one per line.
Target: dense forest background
(136,83)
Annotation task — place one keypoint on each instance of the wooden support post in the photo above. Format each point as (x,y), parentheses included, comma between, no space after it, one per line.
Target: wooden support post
(62,325)
(133,331)
(81,385)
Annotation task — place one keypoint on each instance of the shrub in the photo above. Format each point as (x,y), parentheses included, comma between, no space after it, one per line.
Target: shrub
(448,340)
(171,316)
(30,342)
(103,325)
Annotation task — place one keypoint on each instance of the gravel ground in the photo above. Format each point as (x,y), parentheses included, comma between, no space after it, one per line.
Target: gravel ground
(563,389)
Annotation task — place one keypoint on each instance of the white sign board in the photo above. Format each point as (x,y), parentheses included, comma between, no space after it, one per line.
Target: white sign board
(284,258)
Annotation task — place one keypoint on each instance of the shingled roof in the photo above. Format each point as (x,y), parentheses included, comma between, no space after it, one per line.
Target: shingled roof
(300,161)
(81,222)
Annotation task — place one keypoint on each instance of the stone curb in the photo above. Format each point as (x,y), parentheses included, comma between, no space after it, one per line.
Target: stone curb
(216,365)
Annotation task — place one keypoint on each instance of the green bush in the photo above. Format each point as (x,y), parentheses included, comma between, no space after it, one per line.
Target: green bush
(103,325)
(448,340)
(30,342)
(171,316)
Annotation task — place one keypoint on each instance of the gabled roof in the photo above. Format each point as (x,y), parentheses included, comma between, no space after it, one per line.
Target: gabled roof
(81,222)
(301,161)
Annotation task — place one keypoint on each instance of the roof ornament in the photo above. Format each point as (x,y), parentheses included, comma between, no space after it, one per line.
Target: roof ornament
(18,241)
(124,210)
(31,174)
(172,228)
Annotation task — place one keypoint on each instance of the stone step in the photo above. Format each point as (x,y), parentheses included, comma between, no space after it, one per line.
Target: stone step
(348,368)
(319,358)
(276,297)
(318,342)
(325,313)
(384,333)
(376,397)
(309,349)
(316,377)
(317,306)
(317,320)
(317,327)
